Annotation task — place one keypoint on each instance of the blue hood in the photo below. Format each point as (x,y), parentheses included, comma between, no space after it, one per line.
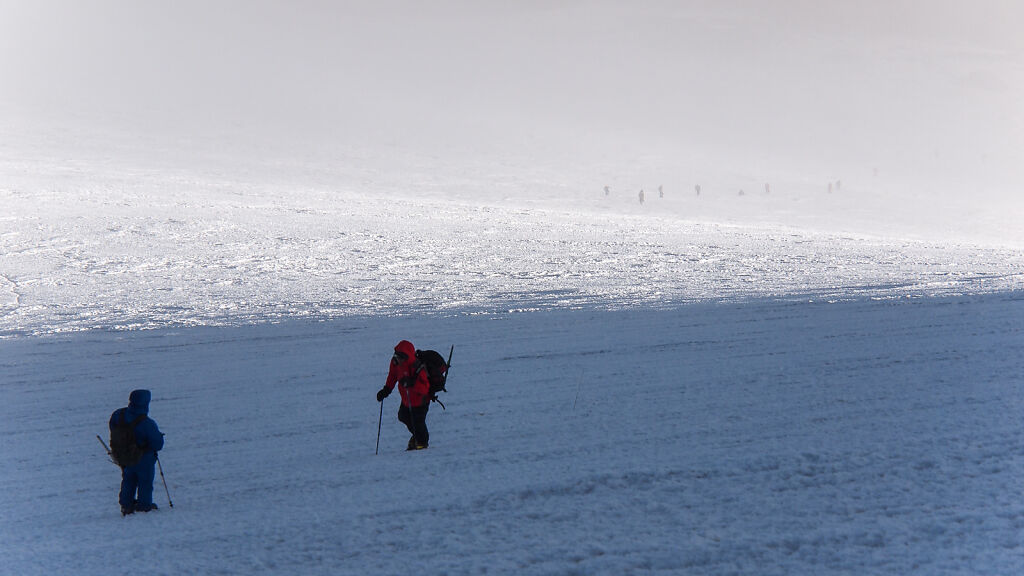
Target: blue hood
(138,402)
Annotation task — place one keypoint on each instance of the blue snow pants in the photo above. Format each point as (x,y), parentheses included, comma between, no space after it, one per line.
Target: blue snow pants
(137,483)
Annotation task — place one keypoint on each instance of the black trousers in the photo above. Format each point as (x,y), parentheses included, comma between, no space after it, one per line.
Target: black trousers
(415,419)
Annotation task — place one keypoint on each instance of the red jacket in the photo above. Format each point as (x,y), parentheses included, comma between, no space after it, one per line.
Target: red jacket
(414,387)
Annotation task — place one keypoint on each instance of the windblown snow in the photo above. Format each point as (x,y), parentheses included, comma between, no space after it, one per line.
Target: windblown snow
(807,359)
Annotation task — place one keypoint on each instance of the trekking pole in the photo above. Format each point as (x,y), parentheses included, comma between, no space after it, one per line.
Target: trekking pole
(161,467)
(379,420)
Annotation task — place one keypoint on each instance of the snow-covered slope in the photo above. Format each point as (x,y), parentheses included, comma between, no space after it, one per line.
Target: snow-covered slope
(631,393)
(869,436)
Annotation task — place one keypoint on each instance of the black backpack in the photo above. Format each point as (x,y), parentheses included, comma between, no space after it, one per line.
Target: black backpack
(124,449)
(437,370)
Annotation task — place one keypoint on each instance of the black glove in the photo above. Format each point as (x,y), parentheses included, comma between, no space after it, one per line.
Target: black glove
(383,393)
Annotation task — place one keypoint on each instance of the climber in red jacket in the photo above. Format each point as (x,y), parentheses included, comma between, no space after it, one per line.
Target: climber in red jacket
(414,387)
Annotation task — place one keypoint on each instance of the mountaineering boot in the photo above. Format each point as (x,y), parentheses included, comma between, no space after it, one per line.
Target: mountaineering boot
(145,507)
(412,443)
(126,510)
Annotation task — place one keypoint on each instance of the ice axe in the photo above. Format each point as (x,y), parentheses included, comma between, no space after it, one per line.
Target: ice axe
(107,448)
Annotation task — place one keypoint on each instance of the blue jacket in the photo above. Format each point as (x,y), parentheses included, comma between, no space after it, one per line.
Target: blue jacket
(147,433)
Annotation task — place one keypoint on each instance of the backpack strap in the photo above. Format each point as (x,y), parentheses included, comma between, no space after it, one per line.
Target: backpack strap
(133,423)
(419,367)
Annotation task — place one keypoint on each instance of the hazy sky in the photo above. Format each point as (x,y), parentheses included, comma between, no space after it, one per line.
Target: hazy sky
(933,84)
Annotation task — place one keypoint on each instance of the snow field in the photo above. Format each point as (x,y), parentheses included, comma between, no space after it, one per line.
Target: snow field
(165,250)
(873,436)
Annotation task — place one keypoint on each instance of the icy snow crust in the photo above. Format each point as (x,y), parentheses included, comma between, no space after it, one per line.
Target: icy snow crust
(151,249)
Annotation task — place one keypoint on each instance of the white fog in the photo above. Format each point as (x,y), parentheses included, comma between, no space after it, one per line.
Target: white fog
(911,108)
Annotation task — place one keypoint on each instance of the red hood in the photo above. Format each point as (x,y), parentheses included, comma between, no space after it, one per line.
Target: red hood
(406,347)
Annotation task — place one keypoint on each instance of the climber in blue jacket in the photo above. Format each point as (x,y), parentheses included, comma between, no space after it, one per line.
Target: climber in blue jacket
(137,477)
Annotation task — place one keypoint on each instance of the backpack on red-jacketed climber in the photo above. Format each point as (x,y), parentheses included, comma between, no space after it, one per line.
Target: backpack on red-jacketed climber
(437,370)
